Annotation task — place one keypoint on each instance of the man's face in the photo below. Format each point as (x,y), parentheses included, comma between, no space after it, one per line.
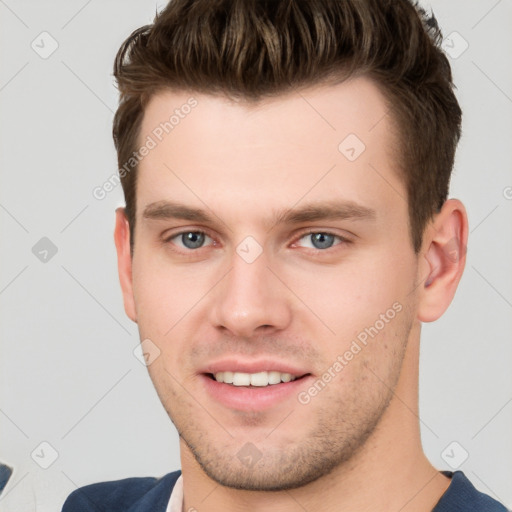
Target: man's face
(247,288)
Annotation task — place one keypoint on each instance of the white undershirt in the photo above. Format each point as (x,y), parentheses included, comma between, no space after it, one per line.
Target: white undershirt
(176,500)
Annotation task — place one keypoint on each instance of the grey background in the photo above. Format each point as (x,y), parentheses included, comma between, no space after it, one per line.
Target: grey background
(68,373)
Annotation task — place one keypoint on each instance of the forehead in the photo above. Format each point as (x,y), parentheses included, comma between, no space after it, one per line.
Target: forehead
(331,111)
(322,142)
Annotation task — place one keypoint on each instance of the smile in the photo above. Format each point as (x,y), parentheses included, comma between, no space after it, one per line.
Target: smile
(259,379)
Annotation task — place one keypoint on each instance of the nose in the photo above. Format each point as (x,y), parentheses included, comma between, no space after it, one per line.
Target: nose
(250,299)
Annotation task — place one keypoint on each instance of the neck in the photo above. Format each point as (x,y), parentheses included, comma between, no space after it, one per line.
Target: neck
(390,472)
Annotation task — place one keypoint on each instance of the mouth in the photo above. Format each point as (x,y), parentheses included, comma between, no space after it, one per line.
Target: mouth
(259,390)
(260,379)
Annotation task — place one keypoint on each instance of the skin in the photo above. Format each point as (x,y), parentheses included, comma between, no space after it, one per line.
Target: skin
(356,445)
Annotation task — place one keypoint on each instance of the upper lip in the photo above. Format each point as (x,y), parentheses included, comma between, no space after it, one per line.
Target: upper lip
(238,365)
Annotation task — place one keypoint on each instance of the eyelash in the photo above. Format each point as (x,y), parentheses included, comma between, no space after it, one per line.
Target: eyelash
(343,240)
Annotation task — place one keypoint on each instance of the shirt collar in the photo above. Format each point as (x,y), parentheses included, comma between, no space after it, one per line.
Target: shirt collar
(176,500)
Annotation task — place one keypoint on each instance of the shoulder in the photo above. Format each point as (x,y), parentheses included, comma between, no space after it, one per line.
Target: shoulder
(145,493)
(462,496)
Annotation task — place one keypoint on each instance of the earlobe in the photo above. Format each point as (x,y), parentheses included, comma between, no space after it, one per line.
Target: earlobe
(444,258)
(124,262)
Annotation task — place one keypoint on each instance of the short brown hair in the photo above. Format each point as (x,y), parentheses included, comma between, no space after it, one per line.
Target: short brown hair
(255,49)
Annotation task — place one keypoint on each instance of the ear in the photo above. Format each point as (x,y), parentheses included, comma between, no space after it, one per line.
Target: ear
(443,260)
(124,262)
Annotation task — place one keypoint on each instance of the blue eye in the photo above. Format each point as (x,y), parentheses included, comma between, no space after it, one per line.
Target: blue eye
(321,240)
(190,239)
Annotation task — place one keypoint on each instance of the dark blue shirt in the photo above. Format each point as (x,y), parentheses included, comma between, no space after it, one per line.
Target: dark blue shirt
(152,495)
(461,496)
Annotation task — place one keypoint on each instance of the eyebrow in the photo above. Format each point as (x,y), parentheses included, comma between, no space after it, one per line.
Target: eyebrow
(314,211)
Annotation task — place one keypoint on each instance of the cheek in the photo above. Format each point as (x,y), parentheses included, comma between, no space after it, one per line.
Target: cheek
(353,295)
(365,357)
(164,294)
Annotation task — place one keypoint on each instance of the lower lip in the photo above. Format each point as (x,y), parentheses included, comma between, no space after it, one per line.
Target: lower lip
(255,398)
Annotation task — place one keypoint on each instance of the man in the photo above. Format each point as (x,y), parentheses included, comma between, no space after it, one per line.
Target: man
(286,167)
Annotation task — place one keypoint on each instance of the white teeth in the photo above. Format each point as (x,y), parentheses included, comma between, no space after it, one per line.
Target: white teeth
(259,379)
(241,379)
(274,377)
